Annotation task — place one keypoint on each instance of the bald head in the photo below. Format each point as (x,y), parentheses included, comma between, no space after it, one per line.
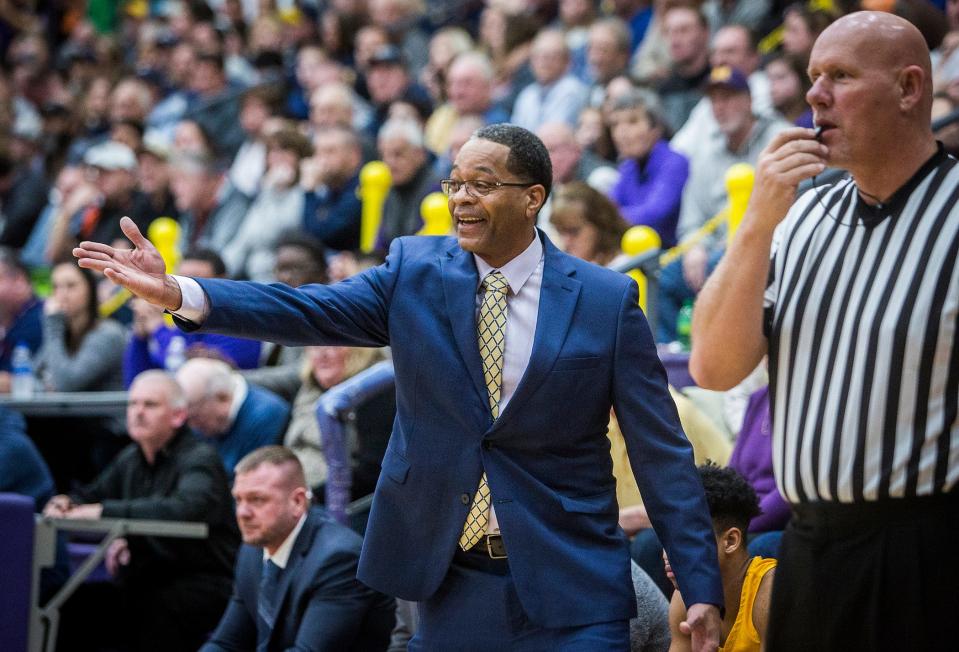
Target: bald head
(890,41)
(872,94)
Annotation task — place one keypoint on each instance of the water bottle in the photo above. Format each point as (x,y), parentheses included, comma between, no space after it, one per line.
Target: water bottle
(175,353)
(21,367)
(684,324)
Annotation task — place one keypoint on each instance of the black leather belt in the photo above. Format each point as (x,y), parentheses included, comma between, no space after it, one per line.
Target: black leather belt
(494,545)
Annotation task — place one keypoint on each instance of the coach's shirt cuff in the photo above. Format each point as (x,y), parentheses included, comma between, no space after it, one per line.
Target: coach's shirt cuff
(195,305)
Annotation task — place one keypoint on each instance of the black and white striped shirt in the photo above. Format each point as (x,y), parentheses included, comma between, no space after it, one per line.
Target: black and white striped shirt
(861,315)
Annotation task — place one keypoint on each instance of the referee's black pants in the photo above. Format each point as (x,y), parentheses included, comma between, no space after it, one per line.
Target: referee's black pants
(873,576)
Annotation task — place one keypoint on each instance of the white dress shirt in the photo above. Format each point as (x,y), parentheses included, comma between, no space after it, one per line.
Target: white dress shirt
(282,555)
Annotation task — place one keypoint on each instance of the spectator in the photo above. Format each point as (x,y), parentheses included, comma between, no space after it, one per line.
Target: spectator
(169,592)
(788,85)
(309,75)
(257,106)
(801,26)
(80,351)
(402,149)
(751,14)
(460,132)
(400,19)
(335,104)
(155,344)
(555,95)
(747,582)
(733,46)
(650,63)
(507,37)
(20,313)
(388,80)
(173,107)
(651,175)
(469,87)
(637,14)
(324,368)
(111,169)
(22,469)
(607,55)
(687,34)
(229,413)
(211,208)
(300,260)
(23,189)
(216,105)
(190,137)
(331,207)
(571,162)
(742,137)
(589,225)
(296,583)
(154,198)
(277,208)
(130,101)
(446,45)
(592,134)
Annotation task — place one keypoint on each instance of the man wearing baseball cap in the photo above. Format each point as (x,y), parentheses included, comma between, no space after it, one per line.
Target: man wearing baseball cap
(108,194)
(740,138)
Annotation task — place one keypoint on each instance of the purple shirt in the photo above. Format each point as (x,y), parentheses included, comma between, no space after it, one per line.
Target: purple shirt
(753,458)
(649,192)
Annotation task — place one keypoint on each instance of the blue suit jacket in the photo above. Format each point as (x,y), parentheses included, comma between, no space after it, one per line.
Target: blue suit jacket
(547,456)
(320,603)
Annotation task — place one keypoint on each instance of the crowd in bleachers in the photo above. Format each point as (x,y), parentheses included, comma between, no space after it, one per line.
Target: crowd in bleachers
(248,123)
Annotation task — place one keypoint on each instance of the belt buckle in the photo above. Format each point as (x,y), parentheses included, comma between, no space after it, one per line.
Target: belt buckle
(495,546)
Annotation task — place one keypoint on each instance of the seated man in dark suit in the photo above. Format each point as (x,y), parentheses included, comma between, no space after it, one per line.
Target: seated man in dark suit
(171,591)
(296,583)
(232,415)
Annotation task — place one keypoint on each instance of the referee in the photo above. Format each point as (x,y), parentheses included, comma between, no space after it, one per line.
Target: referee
(853,291)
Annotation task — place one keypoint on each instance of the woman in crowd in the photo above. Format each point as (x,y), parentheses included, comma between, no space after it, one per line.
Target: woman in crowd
(652,175)
(80,351)
(324,368)
(588,223)
(801,27)
(788,84)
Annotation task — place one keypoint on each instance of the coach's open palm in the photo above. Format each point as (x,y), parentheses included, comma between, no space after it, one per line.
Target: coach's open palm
(141,270)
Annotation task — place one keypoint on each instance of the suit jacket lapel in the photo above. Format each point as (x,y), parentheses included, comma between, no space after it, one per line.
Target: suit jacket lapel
(557,300)
(460,281)
(300,547)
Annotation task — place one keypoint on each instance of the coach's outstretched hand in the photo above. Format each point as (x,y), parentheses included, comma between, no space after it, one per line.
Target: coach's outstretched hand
(140,270)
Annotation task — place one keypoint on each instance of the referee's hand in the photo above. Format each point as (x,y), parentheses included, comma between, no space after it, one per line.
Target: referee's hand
(791,157)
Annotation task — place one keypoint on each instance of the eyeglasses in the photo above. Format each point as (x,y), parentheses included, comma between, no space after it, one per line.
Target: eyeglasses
(476,188)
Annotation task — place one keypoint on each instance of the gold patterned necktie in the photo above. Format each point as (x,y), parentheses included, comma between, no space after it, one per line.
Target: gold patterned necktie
(491,333)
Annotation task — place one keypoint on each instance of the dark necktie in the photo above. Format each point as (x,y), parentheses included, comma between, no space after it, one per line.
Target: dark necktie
(266,603)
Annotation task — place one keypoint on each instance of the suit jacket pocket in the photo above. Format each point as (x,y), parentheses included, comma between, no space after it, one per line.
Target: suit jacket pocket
(395,466)
(570,364)
(596,504)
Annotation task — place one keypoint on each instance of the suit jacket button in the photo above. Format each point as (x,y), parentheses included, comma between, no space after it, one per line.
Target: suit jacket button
(487,444)
(465,499)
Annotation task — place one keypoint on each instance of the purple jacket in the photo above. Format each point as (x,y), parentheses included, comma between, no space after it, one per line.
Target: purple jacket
(753,458)
(649,192)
